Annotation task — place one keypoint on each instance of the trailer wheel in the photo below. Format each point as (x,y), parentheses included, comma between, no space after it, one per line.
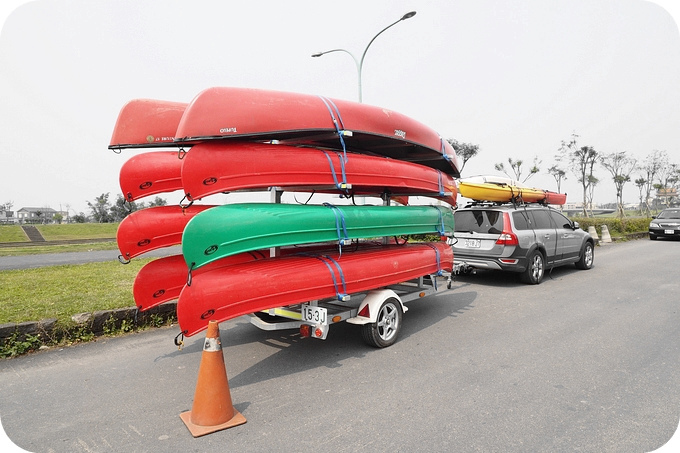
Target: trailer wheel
(384,331)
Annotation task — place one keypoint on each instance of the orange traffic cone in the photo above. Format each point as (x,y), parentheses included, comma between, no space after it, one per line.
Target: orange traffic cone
(212,409)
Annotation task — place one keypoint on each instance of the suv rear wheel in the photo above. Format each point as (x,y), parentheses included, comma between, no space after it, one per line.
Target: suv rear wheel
(535,270)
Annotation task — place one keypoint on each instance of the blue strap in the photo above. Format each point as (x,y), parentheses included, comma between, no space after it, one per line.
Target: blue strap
(338,127)
(338,294)
(439,264)
(436,251)
(443,150)
(440,182)
(343,295)
(441,228)
(337,112)
(339,223)
(343,185)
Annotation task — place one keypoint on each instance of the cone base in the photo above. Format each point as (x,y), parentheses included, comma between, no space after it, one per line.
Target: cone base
(198,430)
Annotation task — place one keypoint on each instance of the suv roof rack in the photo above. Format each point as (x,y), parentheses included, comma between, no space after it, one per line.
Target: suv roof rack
(516,203)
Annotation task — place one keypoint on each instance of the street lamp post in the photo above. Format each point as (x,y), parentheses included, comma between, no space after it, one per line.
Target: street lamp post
(360,63)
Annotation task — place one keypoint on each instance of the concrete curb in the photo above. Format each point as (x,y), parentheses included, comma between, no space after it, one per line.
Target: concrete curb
(95,322)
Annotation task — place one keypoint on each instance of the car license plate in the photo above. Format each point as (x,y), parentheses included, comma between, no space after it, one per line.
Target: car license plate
(473,243)
(314,314)
(669,231)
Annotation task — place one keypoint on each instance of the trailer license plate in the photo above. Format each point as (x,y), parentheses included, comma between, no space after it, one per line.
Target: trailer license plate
(314,314)
(473,243)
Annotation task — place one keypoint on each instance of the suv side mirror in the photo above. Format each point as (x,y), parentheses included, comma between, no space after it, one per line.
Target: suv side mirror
(576,226)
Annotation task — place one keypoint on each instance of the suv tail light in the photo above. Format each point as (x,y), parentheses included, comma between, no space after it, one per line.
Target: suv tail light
(507,236)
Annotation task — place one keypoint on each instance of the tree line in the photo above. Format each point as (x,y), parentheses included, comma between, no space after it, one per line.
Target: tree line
(103,211)
(653,172)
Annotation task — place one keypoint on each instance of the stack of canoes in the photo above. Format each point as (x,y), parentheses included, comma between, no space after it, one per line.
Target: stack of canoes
(246,257)
(501,189)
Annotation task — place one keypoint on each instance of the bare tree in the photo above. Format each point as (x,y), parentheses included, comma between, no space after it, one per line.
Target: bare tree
(620,166)
(582,162)
(516,166)
(592,182)
(641,183)
(668,178)
(559,174)
(653,163)
(465,151)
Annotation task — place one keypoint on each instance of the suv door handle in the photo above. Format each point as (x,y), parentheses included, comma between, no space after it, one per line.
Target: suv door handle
(547,236)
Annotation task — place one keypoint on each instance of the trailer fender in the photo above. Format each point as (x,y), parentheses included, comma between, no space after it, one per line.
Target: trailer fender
(374,300)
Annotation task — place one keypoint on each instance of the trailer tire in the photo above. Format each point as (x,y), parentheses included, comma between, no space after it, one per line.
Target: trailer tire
(384,331)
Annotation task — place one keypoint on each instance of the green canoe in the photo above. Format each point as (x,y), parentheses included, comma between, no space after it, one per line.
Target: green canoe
(230,229)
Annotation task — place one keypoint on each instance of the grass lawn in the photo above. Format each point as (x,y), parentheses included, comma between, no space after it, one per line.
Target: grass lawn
(66,232)
(78,231)
(12,233)
(62,291)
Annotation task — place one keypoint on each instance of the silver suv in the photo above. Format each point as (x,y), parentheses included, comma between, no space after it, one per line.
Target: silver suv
(526,238)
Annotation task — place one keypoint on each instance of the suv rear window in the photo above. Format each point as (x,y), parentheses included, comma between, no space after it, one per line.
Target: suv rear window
(479,221)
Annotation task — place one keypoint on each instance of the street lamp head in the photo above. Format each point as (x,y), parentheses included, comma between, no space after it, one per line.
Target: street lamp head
(318,54)
(408,15)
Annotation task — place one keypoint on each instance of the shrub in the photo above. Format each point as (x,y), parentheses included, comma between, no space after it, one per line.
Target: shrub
(616,226)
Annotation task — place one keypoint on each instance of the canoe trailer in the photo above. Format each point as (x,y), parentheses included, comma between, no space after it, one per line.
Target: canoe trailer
(379,311)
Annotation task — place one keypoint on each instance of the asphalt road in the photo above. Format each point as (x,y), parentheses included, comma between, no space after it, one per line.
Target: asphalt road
(55,259)
(587,361)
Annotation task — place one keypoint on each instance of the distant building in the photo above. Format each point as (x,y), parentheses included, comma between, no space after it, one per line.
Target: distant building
(36,215)
(666,195)
(7,216)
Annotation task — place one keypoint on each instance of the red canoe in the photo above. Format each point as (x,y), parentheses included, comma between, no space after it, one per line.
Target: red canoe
(226,293)
(151,173)
(216,167)
(153,228)
(147,122)
(219,113)
(162,280)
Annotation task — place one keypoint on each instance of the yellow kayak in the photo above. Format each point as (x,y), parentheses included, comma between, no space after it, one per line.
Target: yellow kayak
(499,189)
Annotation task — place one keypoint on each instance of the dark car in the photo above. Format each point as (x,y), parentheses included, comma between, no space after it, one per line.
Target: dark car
(666,224)
(526,238)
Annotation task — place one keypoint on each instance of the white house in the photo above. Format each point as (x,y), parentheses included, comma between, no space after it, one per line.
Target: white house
(36,215)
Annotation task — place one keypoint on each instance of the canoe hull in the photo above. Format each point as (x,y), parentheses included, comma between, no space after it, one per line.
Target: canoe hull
(211,168)
(150,174)
(145,123)
(237,228)
(226,293)
(223,112)
(153,228)
(162,280)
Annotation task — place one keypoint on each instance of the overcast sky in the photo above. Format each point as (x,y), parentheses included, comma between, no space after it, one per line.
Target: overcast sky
(515,77)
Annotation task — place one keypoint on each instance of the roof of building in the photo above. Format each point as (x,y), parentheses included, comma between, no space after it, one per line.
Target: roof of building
(43,210)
